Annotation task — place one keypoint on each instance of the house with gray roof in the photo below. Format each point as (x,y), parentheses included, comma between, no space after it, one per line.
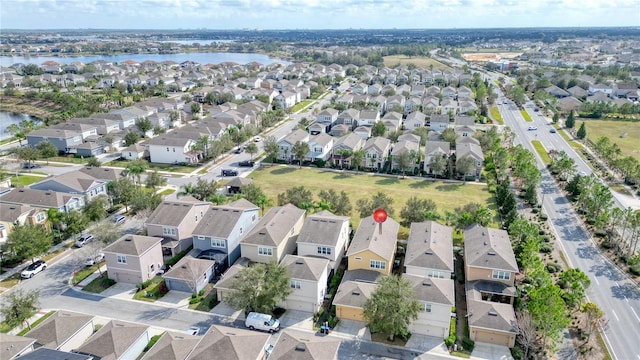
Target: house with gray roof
(429,250)
(415,120)
(50,354)
(301,345)
(64,140)
(349,117)
(354,290)
(402,147)
(117,340)
(42,199)
(224,285)
(64,330)
(285,145)
(470,150)
(222,342)
(327,116)
(373,246)
(320,146)
(11,346)
(436,297)
(174,222)
(368,117)
(189,275)
(134,258)
(439,122)
(309,279)
(100,173)
(172,346)
(376,149)
(347,144)
(17,214)
(74,182)
(173,149)
(489,255)
(325,235)
(556,91)
(221,229)
(274,236)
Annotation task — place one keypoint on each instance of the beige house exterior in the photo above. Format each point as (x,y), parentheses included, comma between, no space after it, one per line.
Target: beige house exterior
(429,250)
(223,285)
(274,236)
(133,258)
(309,278)
(372,249)
(325,235)
(437,298)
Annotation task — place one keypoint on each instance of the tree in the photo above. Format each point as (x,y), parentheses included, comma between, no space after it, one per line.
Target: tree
(95,209)
(405,161)
(357,159)
(270,146)
(526,331)
(144,125)
(204,189)
(131,138)
(379,200)
(378,129)
(135,169)
(482,216)
(339,203)
(465,166)
(574,283)
(74,222)
(252,149)
(105,232)
(155,180)
(144,200)
(259,288)
(571,121)
(298,196)
(19,306)
(392,306)
(449,135)
(47,150)
(594,317)
(582,131)
(556,117)
(548,311)
(17,132)
(28,241)
(300,151)
(26,153)
(438,164)
(563,165)
(417,210)
(93,161)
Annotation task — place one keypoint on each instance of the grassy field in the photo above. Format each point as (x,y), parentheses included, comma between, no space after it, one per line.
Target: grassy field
(541,151)
(447,196)
(25,180)
(613,130)
(301,105)
(526,116)
(422,62)
(495,115)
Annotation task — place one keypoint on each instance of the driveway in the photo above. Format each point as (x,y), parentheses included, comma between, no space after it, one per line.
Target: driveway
(426,343)
(354,328)
(297,319)
(491,351)
(120,290)
(176,299)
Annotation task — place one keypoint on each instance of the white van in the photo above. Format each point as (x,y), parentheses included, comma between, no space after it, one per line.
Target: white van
(264,322)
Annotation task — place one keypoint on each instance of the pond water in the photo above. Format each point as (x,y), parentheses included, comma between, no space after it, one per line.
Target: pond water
(7,118)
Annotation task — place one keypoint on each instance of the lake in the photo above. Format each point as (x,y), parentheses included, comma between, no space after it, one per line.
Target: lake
(7,118)
(201,58)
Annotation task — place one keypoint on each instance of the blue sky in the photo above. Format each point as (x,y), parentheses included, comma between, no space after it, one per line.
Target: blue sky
(314,14)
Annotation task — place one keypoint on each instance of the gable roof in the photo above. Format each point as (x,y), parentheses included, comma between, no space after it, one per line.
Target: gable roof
(113,339)
(487,314)
(75,180)
(468,149)
(322,228)
(295,136)
(189,268)
(377,143)
(130,244)
(225,281)
(173,212)
(11,345)
(432,290)
(59,327)
(220,220)
(304,346)
(230,344)
(368,237)
(488,248)
(172,346)
(433,145)
(274,227)
(430,245)
(37,198)
(106,174)
(304,268)
(353,293)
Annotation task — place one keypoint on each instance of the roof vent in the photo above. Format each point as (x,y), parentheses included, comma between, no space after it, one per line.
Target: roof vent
(183,267)
(493,313)
(300,348)
(429,252)
(426,283)
(231,333)
(491,253)
(299,262)
(356,293)
(128,239)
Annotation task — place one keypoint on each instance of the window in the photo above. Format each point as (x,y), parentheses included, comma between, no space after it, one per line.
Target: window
(358,258)
(40,217)
(435,274)
(152,267)
(501,275)
(169,231)
(265,251)
(377,264)
(167,149)
(323,250)
(198,237)
(174,149)
(241,231)
(295,284)
(217,243)
(427,308)
(122,259)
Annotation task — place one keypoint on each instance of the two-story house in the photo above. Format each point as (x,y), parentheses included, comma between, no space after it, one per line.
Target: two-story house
(327,116)
(42,199)
(439,123)
(349,117)
(373,246)
(174,222)
(221,229)
(436,297)
(320,147)
(64,330)
(15,214)
(376,151)
(415,120)
(286,144)
(274,235)
(309,279)
(490,271)
(325,235)
(74,182)
(344,147)
(133,258)
(168,149)
(429,250)
(64,140)
(435,148)
(473,151)
(403,147)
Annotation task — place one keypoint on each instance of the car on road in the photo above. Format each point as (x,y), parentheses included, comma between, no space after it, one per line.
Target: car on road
(29,165)
(92,260)
(536,109)
(229,172)
(84,239)
(119,219)
(34,268)
(257,139)
(246,163)
(239,150)
(553,131)
(532,128)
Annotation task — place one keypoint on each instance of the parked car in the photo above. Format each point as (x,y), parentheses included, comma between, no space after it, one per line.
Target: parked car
(553,131)
(29,165)
(34,268)
(239,150)
(264,322)
(229,172)
(257,139)
(194,330)
(84,239)
(246,163)
(94,260)
(119,219)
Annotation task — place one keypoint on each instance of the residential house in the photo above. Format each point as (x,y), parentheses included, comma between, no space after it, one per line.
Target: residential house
(354,290)
(135,152)
(223,286)
(449,92)
(293,344)
(74,182)
(12,346)
(172,346)
(364,132)
(222,342)
(621,90)
(42,199)
(373,246)
(286,144)
(415,120)
(103,126)
(326,235)
(429,250)
(472,150)
(435,148)
(50,354)
(320,147)
(222,227)
(439,122)
(569,103)
(117,340)
(490,271)
(368,117)
(286,99)
(63,330)
(133,258)
(16,214)
(556,91)
(64,140)
(595,88)
(449,106)
(402,147)
(189,275)
(174,222)
(349,117)
(87,131)
(274,235)
(168,149)
(344,147)
(309,279)
(464,92)
(235,185)
(360,89)
(430,105)
(376,151)
(317,128)
(436,297)
(339,130)
(578,92)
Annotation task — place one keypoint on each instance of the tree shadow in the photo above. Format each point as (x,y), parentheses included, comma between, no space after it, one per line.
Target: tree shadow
(387,181)
(283,170)
(342,175)
(448,187)
(607,271)
(626,291)
(422,184)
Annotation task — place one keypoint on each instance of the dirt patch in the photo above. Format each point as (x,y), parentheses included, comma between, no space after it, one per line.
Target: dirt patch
(483,57)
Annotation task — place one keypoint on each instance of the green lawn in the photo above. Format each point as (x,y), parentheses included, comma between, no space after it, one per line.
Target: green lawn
(69,159)
(36,323)
(419,61)
(447,196)
(154,166)
(613,129)
(301,105)
(541,151)
(99,284)
(25,180)
(526,116)
(167,192)
(495,115)
(84,273)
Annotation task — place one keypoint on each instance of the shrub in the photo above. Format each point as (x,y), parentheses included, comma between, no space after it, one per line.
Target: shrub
(194,295)
(541,232)
(553,268)
(194,300)
(535,210)
(517,353)
(600,233)
(606,245)
(635,269)
(201,292)
(468,344)
(450,340)
(544,217)
(546,249)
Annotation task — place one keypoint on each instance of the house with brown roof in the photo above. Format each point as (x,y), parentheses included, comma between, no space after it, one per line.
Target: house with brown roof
(304,346)
(172,346)
(274,236)
(354,290)
(64,331)
(223,342)
(133,258)
(174,222)
(15,214)
(429,250)
(373,246)
(325,235)
(490,270)
(42,199)
(117,340)
(309,279)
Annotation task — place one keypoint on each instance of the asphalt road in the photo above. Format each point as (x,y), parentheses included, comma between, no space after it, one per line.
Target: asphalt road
(615,294)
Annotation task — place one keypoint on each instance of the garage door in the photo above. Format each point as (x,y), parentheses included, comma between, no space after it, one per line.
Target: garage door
(300,305)
(492,338)
(126,277)
(428,330)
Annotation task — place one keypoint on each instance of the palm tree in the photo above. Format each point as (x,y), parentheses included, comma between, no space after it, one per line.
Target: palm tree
(136,168)
(217,199)
(186,190)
